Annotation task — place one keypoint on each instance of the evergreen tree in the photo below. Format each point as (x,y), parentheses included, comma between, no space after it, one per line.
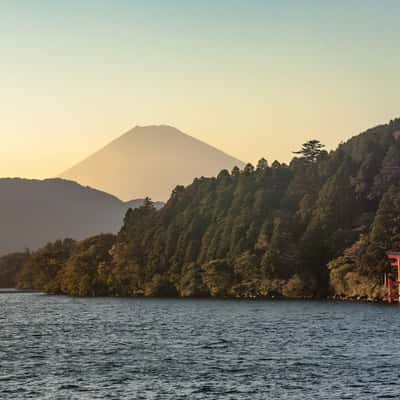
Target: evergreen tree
(311,151)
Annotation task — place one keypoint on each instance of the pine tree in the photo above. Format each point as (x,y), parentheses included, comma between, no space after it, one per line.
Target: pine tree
(311,151)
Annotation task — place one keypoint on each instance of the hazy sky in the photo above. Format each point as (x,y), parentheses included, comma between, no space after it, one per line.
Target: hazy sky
(254,78)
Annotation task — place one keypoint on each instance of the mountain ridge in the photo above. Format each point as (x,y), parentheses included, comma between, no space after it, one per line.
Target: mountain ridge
(149,161)
(35,211)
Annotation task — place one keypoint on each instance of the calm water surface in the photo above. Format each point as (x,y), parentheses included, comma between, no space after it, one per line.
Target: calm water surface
(66,348)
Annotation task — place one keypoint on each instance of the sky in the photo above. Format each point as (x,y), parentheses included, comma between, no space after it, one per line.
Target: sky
(253,78)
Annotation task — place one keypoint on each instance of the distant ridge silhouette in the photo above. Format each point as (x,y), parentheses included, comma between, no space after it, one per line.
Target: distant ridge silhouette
(34,212)
(150,161)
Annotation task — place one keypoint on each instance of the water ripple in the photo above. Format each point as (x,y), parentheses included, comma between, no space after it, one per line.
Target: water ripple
(66,348)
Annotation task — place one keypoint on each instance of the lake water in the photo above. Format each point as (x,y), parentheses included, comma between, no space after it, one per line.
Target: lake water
(67,348)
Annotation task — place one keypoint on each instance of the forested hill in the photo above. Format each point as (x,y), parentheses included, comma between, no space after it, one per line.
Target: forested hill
(317,227)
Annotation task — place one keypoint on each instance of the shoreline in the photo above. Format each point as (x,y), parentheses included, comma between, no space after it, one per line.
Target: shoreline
(255,298)
(16,291)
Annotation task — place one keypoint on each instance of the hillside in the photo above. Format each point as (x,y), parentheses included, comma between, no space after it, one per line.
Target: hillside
(10,266)
(33,212)
(315,228)
(149,162)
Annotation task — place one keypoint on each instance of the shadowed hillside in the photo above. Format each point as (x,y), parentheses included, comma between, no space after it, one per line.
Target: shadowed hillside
(33,212)
(149,161)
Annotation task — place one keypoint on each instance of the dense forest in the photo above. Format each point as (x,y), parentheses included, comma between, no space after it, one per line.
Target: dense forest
(317,227)
(10,266)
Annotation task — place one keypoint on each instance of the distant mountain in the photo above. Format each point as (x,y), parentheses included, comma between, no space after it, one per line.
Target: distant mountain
(150,161)
(33,212)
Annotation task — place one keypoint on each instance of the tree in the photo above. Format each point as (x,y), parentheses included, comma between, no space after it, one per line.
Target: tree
(217,276)
(10,267)
(262,164)
(43,269)
(235,171)
(384,234)
(276,164)
(279,261)
(248,169)
(191,282)
(147,203)
(311,151)
(83,273)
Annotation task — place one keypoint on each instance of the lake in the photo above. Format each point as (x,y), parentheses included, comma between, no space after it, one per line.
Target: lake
(56,347)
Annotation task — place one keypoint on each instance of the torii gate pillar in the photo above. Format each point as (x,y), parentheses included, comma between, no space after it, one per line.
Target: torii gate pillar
(394,258)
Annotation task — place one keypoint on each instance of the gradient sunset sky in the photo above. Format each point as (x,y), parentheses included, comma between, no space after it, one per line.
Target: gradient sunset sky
(253,78)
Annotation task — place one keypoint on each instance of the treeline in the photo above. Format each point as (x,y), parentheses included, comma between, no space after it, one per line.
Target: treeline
(317,227)
(10,267)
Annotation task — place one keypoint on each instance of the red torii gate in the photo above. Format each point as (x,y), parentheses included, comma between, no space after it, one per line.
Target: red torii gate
(394,257)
